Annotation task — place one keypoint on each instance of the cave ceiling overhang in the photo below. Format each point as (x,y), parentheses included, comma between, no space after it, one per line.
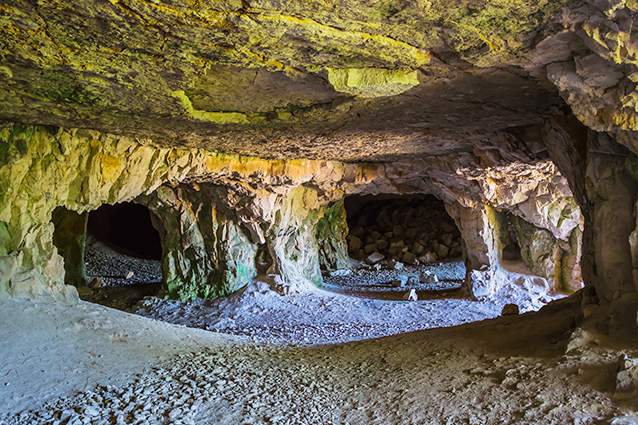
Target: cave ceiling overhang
(348,80)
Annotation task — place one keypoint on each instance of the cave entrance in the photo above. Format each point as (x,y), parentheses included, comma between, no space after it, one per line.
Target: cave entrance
(123,254)
(407,242)
(511,250)
(127,228)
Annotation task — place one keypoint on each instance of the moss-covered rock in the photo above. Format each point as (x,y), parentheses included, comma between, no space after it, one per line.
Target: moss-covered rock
(331,232)
(372,82)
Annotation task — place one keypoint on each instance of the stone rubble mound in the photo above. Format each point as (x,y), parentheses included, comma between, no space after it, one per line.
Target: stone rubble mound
(411,235)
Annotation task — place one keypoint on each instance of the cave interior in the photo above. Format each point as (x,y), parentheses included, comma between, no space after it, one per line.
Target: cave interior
(220,187)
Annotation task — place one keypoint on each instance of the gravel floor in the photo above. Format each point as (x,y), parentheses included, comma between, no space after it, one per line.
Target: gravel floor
(514,370)
(450,275)
(314,317)
(113,267)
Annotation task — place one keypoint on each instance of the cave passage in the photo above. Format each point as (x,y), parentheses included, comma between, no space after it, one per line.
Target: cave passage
(412,229)
(123,253)
(127,228)
(511,250)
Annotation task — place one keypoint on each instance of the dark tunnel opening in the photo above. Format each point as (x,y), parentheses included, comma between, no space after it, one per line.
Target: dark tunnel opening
(127,228)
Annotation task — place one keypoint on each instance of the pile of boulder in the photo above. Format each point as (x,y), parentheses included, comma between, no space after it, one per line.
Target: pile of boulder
(418,234)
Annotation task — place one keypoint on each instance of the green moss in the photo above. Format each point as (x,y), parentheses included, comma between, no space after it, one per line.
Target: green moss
(213,117)
(497,24)
(372,82)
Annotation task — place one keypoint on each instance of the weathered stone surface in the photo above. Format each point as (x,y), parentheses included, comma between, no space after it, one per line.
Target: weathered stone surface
(231,75)
(220,210)
(69,239)
(333,252)
(207,253)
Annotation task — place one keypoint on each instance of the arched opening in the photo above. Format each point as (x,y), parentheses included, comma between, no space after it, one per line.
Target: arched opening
(402,242)
(410,229)
(511,250)
(127,228)
(123,255)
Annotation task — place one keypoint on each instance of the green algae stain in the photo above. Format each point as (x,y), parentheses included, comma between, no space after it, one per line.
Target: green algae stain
(497,24)
(372,82)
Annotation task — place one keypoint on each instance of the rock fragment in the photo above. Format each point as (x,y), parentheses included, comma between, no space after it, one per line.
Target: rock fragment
(374,258)
(510,310)
(411,295)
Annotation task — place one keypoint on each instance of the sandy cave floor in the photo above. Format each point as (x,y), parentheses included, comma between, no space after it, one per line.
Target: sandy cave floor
(87,363)
(319,357)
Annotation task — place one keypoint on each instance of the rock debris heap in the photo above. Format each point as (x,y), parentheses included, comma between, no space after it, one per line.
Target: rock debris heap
(405,230)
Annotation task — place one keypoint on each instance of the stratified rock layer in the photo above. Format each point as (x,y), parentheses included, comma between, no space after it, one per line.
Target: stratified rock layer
(219,211)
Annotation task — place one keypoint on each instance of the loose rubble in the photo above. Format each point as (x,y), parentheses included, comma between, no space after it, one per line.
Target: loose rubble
(412,231)
(112,268)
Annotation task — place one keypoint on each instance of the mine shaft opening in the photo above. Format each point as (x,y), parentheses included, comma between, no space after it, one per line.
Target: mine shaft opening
(123,255)
(402,243)
(511,250)
(127,228)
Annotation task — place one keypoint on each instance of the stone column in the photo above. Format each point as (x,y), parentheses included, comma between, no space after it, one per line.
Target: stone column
(480,246)
(557,261)
(611,191)
(290,220)
(331,233)
(206,252)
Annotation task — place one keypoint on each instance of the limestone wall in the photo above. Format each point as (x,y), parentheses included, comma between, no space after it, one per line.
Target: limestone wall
(218,210)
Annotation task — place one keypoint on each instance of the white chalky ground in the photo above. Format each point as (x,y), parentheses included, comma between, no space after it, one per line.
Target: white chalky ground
(90,364)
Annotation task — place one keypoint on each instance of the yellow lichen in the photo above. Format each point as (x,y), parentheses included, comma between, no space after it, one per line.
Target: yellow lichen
(213,117)
(372,82)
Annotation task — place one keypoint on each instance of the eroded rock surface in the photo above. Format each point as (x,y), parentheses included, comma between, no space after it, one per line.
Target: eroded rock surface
(218,211)
(515,114)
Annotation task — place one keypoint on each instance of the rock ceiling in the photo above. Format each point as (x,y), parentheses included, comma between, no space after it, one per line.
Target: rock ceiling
(354,79)
(348,80)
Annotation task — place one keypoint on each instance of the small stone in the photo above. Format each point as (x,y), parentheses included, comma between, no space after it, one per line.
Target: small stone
(340,272)
(413,279)
(627,375)
(130,274)
(354,243)
(96,282)
(400,281)
(510,310)
(411,295)
(398,266)
(370,248)
(442,251)
(382,244)
(91,411)
(374,258)
(427,277)
(408,257)
(428,257)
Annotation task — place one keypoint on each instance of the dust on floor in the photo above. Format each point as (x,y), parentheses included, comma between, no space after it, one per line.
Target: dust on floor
(90,364)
